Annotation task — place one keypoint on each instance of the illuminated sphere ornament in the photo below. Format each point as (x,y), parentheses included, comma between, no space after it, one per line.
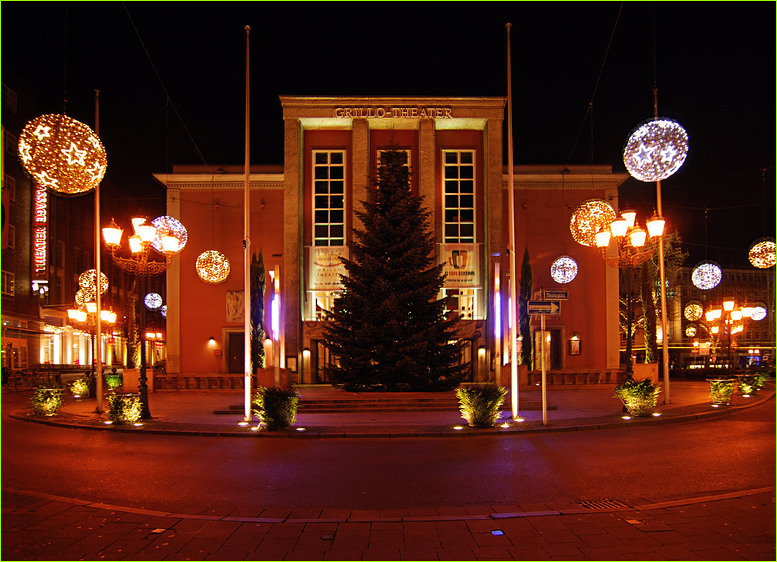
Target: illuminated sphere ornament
(168,226)
(655,150)
(706,275)
(693,311)
(62,154)
(84,296)
(762,253)
(212,267)
(153,301)
(590,217)
(690,330)
(163,310)
(88,280)
(563,270)
(758,313)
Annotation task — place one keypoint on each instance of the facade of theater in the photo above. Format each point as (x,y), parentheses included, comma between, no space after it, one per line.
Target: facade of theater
(302,216)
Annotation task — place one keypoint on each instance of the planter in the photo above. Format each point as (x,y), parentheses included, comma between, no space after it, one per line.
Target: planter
(748,384)
(275,407)
(113,380)
(46,401)
(479,403)
(124,408)
(79,388)
(721,391)
(639,397)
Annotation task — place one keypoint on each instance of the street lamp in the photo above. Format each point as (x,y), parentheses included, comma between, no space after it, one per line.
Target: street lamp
(87,315)
(167,237)
(633,247)
(727,321)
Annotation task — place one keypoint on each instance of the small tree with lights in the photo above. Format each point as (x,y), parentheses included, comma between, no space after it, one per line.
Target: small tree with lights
(388,330)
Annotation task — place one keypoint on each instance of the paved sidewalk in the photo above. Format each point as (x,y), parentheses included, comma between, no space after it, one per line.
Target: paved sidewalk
(192,413)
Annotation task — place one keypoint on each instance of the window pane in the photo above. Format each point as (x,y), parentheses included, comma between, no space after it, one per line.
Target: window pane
(336,157)
(465,157)
(336,187)
(451,201)
(322,216)
(321,187)
(336,201)
(322,231)
(452,215)
(336,230)
(336,172)
(321,158)
(452,229)
(336,216)
(467,201)
(321,201)
(467,172)
(451,158)
(451,187)
(451,172)
(321,173)
(467,230)
(467,215)
(467,186)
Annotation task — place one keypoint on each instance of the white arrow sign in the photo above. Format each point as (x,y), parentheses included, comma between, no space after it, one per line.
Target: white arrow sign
(543,307)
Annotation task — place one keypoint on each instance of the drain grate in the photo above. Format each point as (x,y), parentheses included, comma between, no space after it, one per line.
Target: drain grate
(601,504)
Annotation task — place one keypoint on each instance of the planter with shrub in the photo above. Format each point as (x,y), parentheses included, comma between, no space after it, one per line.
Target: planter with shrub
(721,391)
(275,407)
(639,397)
(479,403)
(46,401)
(124,408)
(80,388)
(113,380)
(748,384)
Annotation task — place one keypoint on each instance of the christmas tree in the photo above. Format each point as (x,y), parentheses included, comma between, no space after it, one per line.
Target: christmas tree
(388,330)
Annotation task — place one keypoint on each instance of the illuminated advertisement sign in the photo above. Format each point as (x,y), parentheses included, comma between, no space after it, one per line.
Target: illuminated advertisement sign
(462,264)
(326,267)
(39,233)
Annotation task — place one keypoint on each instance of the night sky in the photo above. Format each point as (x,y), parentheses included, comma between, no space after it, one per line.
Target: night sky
(714,70)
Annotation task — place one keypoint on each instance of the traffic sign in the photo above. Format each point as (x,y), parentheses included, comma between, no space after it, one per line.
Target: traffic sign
(555,294)
(543,307)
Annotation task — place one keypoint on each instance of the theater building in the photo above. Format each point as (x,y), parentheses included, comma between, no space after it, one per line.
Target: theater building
(302,216)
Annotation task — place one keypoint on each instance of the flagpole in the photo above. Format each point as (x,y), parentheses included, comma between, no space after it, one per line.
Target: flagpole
(98,274)
(247,242)
(511,244)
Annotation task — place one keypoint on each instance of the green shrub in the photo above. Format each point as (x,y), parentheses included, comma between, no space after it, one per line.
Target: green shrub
(46,401)
(761,380)
(124,408)
(113,380)
(275,407)
(748,384)
(639,397)
(80,388)
(721,390)
(479,403)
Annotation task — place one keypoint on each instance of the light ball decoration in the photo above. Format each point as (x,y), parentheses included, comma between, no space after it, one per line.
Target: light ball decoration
(655,150)
(762,253)
(564,269)
(706,275)
(758,312)
(690,330)
(693,311)
(163,310)
(85,295)
(212,267)
(588,218)
(88,280)
(168,226)
(62,154)
(153,301)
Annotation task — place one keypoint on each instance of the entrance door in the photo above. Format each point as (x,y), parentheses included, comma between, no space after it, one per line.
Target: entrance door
(554,360)
(236,352)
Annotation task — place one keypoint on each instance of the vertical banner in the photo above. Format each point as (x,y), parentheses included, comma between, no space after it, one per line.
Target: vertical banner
(325,266)
(462,265)
(39,233)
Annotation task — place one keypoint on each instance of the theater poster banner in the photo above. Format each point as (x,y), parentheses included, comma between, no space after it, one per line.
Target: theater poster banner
(462,265)
(325,267)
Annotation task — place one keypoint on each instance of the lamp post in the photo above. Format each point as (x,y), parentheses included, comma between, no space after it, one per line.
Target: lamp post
(166,242)
(633,247)
(727,321)
(88,316)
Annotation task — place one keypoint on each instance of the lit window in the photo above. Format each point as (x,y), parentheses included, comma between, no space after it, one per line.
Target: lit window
(329,197)
(458,196)
(462,302)
(8,283)
(323,303)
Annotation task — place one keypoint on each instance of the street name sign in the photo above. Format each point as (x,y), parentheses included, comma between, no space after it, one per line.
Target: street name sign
(555,294)
(543,307)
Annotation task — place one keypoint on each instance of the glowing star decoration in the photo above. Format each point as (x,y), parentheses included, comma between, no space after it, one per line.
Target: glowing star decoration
(693,311)
(590,217)
(706,275)
(62,154)
(168,226)
(88,280)
(153,301)
(564,269)
(762,253)
(655,150)
(212,267)
(758,313)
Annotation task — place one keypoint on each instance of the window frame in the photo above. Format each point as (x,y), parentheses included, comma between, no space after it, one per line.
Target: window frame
(328,239)
(459,238)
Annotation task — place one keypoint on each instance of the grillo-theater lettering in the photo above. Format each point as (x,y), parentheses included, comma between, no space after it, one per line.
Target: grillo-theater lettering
(393,112)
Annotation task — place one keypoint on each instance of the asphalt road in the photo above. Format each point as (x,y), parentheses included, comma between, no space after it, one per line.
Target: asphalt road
(223,475)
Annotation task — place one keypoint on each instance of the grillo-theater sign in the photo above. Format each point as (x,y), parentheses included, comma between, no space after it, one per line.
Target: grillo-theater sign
(393,112)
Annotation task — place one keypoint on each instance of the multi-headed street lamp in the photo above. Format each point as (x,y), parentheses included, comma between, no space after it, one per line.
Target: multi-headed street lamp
(633,247)
(727,321)
(166,236)
(86,315)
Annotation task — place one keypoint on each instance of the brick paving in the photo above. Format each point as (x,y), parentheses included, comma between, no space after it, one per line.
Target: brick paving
(729,526)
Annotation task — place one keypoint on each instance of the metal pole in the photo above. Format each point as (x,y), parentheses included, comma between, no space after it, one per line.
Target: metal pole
(511,244)
(143,387)
(662,275)
(98,272)
(544,374)
(247,239)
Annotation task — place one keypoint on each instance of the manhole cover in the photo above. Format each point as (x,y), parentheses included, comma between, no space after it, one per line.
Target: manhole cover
(601,504)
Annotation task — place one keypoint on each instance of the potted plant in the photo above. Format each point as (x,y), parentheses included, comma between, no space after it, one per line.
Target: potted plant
(113,379)
(124,408)
(80,387)
(275,407)
(748,384)
(46,401)
(639,397)
(721,391)
(479,403)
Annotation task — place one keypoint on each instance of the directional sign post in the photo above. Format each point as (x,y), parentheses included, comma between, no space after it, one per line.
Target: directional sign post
(555,294)
(542,308)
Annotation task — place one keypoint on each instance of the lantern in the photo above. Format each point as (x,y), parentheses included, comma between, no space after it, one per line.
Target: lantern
(706,275)
(167,228)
